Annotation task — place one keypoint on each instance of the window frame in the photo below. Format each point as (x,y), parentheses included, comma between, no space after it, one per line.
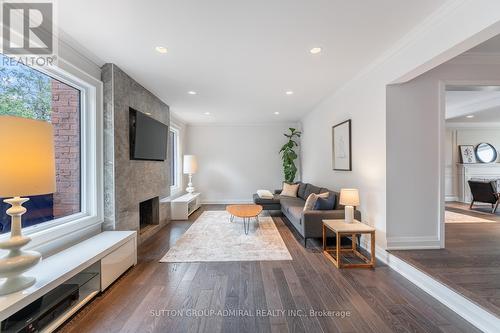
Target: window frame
(91,157)
(174,189)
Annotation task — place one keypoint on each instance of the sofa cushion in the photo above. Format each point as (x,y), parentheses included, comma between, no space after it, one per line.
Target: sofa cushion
(302,190)
(311,189)
(327,203)
(295,212)
(287,202)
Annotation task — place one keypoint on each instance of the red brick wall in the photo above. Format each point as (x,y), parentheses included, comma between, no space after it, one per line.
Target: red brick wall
(65,119)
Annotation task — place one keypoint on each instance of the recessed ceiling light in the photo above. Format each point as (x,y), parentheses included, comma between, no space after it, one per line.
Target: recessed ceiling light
(276,112)
(161,49)
(315,50)
(289,92)
(470,116)
(192,92)
(148,113)
(207,113)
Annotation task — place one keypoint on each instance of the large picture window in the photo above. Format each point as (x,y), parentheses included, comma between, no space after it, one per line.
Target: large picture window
(26,92)
(174,158)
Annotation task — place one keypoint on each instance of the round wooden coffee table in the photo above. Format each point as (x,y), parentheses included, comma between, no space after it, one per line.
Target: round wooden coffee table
(246,212)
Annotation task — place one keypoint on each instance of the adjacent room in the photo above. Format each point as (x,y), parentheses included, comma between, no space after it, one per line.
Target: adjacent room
(467,258)
(250,166)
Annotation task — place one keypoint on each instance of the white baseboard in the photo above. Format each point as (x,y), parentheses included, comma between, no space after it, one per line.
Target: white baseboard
(226,202)
(451,198)
(413,243)
(474,314)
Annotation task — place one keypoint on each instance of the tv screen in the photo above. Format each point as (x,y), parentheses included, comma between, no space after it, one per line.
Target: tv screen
(148,137)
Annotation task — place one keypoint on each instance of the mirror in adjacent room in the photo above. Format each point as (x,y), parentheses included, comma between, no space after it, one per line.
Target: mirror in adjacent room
(486,153)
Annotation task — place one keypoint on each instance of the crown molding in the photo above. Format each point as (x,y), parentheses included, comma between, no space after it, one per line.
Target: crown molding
(483,125)
(476,105)
(430,23)
(234,124)
(476,58)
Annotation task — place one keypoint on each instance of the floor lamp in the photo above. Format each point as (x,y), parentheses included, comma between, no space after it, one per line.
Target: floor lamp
(27,167)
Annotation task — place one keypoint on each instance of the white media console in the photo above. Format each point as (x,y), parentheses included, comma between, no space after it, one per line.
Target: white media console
(184,206)
(90,266)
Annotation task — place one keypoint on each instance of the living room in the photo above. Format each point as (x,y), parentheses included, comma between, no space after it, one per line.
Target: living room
(226,165)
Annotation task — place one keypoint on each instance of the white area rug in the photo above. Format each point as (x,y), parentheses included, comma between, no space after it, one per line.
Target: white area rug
(452,217)
(212,237)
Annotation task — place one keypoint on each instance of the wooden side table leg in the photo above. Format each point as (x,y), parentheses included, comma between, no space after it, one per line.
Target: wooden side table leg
(353,242)
(372,245)
(324,238)
(337,248)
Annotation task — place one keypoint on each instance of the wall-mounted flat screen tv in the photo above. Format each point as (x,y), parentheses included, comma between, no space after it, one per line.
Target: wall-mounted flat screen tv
(148,137)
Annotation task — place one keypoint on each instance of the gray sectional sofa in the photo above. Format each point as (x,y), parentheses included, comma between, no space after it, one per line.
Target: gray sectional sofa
(307,223)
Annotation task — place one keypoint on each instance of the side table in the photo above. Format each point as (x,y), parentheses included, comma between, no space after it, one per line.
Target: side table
(341,228)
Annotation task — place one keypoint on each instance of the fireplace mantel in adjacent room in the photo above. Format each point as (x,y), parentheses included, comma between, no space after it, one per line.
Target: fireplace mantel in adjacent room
(466,172)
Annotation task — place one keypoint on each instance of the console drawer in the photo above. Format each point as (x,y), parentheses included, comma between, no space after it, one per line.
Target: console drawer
(116,263)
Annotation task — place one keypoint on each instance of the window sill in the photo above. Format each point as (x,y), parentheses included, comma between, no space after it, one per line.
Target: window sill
(54,231)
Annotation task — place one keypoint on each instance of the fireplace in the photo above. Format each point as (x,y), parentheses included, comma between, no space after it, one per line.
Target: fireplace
(149,213)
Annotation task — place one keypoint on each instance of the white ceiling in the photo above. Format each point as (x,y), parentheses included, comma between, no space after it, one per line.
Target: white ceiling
(483,105)
(240,56)
(485,116)
(481,102)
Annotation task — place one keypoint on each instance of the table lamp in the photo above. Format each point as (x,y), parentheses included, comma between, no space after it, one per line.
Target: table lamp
(349,197)
(27,167)
(190,167)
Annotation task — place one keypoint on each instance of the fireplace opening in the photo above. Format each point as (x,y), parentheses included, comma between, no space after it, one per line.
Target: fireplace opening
(149,212)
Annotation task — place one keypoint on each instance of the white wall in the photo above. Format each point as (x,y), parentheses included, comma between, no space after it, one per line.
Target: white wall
(236,160)
(456,136)
(417,154)
(363,99)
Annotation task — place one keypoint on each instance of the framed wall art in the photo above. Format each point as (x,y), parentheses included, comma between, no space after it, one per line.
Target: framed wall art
(467,154)
(341,146)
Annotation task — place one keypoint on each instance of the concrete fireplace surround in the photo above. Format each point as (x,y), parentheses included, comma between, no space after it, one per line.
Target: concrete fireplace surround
(127,182)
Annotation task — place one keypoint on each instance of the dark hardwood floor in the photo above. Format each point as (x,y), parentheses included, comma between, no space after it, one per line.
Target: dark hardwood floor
(150,296)
(470,261)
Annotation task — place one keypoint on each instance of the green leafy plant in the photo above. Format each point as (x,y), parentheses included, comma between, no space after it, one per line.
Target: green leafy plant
(288,155)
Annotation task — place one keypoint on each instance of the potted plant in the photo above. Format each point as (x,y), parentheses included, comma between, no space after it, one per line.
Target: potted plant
(288,155)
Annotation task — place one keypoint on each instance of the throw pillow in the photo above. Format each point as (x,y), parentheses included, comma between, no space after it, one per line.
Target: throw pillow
(290,190)
(312,199)
(265,194)
(326,202)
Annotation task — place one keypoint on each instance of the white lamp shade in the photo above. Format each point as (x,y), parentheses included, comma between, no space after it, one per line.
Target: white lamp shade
(349,197)
(190,165)
(27,163)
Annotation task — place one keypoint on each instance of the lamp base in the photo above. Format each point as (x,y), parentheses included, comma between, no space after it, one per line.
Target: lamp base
(190,188)
(349,214)
(16,262)
(17,283)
